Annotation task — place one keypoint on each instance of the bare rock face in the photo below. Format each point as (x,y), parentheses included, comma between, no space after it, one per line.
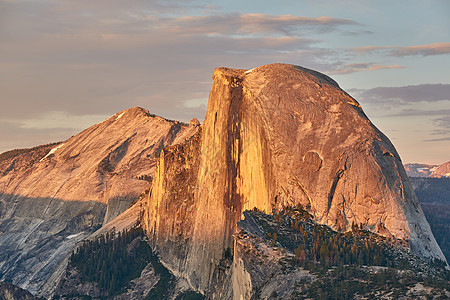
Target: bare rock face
(54,196)
(276,136)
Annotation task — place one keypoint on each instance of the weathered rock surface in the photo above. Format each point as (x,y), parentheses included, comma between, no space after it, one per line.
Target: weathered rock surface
(265,267)
(54,196)
(276,136)
(257,271)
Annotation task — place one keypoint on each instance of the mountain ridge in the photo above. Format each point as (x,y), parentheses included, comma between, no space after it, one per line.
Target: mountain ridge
(426,170)
(53,196)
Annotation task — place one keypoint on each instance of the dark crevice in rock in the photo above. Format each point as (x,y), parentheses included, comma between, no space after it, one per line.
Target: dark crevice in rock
(232,202)
(338,176)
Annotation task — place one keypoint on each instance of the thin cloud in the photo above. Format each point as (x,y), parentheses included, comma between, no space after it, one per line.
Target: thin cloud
(418,112)
(137,16)
(58,120)
(253,24)
(13,136)
(443,133)
(444,121)
(359,67)
(406,94)
(438,139)
(368,49)
(420,50)
(424,50)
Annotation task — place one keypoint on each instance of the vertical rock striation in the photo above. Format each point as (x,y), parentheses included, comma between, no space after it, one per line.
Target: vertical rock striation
(275,136)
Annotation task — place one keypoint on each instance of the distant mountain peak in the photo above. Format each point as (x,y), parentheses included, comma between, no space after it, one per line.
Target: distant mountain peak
(442,170)
(426,170)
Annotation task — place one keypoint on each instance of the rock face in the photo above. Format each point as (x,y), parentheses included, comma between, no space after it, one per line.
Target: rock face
(54,196)
(276,136)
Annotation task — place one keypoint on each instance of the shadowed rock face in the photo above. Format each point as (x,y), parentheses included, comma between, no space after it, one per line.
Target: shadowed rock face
(275,136)
(39,232)
(53,196)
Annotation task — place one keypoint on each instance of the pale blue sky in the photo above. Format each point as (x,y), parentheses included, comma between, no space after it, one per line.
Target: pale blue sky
(65,65)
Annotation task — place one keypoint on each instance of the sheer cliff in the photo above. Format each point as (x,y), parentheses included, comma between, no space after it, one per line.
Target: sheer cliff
(273,137)
(56,195)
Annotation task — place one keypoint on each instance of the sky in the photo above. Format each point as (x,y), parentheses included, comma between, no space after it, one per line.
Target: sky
(66,65)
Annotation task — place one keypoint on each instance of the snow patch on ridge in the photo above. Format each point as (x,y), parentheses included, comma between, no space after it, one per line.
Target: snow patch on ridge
(120,116)
(73,235)
(51,152)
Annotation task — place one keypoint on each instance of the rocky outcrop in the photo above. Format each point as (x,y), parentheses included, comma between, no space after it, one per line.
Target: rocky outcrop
(260,270)
(276,136)
(268,263)
(53,196)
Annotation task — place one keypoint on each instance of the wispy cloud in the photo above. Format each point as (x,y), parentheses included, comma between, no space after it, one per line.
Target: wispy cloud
(405,94)
(253,24)
(424,50)
(358,67)
(57,120)
(438,139)
(421,112)
(444,121)
(420,50)
(13,136)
